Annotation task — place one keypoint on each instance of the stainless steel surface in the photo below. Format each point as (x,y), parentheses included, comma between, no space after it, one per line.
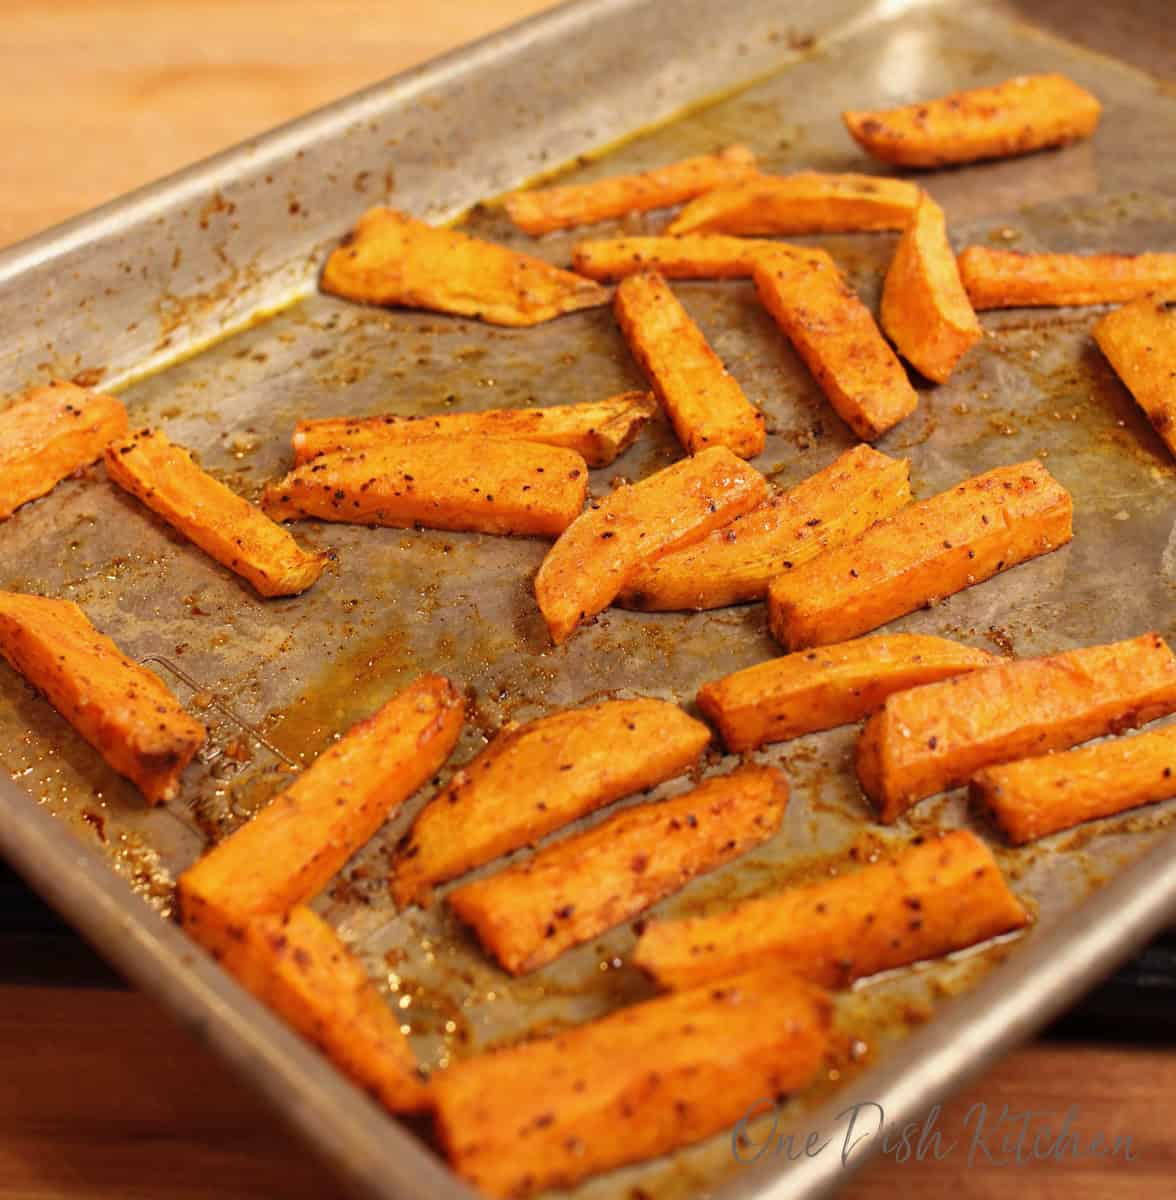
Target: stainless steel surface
(138,296)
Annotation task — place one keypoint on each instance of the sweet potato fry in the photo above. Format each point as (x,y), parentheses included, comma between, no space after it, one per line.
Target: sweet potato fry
(701,256)
(934,738)
(1030,112)
(1012,279)
(484,485)
(1039,796)
(635,1084)
(535,778)
(835,335)
(821,689)
(286,853)
(599,431)
(48,433)
(392,259)
(925,310)
(1139,341)
(593,560)
(122,709)
(735,564)
(224,525)
(705,404)
(938,894)
(804,203)
(577,888)
(546,209)
(923,553)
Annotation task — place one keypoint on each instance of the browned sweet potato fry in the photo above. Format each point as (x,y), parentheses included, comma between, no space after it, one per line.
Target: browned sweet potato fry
(535,778)
(936,737)
(634,1084)
(1020,115)
(599,431)
(835,335)
(487,485)
(393,259)
(1139,341)
(286,853)
(593,560)
(579,887)
(807,202)
(701,256)
(1038,796)
(821,689)
(50,432)
(735,564)
(925,310)
(937,895)
(705,404)
(546,209)
(1012,279)
(122,709)
(923,553)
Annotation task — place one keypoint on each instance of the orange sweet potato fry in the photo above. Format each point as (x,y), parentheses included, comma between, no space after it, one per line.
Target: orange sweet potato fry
(1013,279)
(735,564)
(934,738)
(1139,341)
(835,335)
(486,485)
(705,404)
(925,310)
(635,1084)
(122,709)
(593,560)
(923,553)
(805,203)
(224,525)
(50,432)
(693,256)
(572,891)
(938,894)
(598,430)
(543,210)
(1030,112)
(395,260)
(535,778)
(821,689)
(1039,796)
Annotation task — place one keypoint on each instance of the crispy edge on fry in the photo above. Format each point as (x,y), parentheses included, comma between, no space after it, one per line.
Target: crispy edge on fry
(704,402)
(630,1086)
(693,256)
(937,895)
(392,259)
(571,891)
(929,550)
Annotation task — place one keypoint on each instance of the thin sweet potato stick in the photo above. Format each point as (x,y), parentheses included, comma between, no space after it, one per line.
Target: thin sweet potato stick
(693,256)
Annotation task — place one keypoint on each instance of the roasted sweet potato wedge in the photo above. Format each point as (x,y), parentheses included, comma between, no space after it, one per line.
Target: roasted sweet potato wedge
(821,689)
(48,433)
(598,430)
(543,210)
(937,737)
(572,891)
(1030,112)
(593,560)
(705,404)
(478,484)
(634,1084)
(930,550)
(694,256)
(735,564)
(835,335)
(938,894)
(392,259)
(535,778)
(925,310)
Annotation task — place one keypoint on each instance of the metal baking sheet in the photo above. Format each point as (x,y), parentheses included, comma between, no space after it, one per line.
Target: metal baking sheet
(196,300)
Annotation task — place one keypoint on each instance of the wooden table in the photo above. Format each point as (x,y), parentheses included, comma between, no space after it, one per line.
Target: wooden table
(100,1094)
